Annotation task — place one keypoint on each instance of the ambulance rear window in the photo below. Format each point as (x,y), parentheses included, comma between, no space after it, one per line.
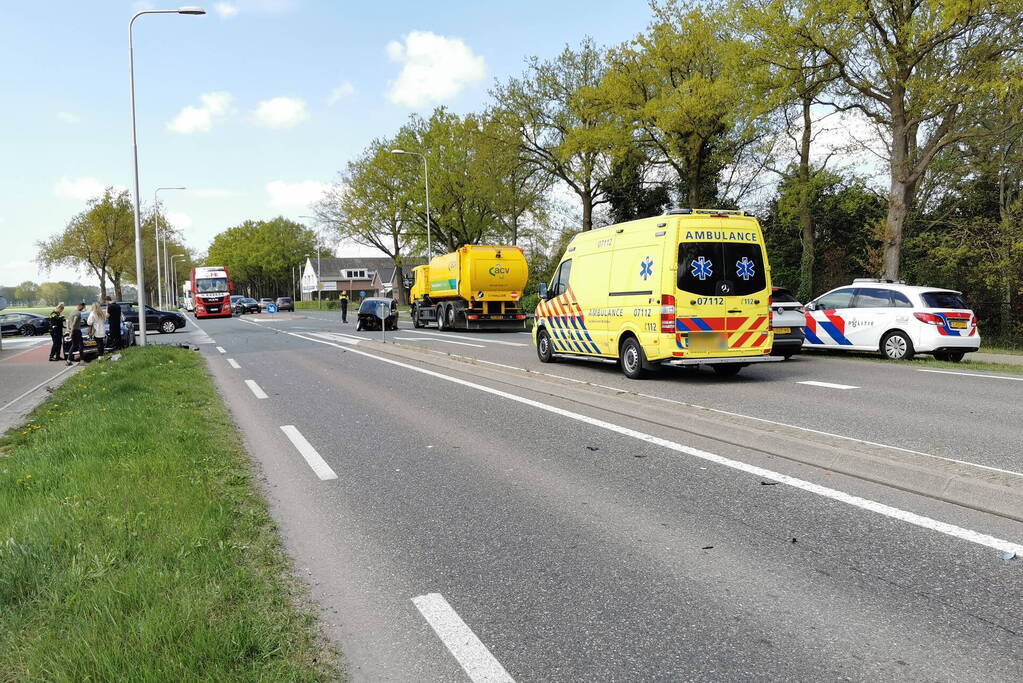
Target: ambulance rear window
(720,268)
(943,300)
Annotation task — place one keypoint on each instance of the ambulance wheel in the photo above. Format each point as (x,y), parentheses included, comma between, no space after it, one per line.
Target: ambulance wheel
(631,358)
(949,356)
(544,347)
(896,345)
(727,369)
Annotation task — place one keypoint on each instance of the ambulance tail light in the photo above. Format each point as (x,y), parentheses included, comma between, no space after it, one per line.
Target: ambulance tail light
(668,314)
(929,318)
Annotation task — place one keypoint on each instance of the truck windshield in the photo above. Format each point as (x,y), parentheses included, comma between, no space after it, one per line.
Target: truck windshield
(210,285)
(720,268)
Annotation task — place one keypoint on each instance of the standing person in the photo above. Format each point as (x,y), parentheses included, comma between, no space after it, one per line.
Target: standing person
(114,316)
(343,302)
(97,327)
(73,323)
(57,331)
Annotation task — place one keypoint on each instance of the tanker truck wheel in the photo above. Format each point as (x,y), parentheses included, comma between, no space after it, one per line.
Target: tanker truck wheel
(415,318)
(440,316)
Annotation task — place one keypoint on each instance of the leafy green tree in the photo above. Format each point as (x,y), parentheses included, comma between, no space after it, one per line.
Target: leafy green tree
(261,255)
(679,89)
(629,194)
(93,239)
(559,132)
(924,73)
(27,293)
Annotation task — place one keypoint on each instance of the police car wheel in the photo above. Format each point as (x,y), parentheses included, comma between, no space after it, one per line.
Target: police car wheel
(544,347)
(897,346)
(631,358)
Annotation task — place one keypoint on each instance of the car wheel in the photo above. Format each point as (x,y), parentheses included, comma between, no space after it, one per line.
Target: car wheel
(440,317)
(727,369)
(167,326)
(896,345)
(631,358)
(358,325)
(544,347)
(27,331)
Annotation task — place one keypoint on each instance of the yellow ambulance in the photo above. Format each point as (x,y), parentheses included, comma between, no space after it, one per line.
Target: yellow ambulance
(691,287)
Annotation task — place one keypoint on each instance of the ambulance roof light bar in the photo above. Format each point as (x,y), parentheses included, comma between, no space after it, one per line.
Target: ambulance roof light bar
(674,211)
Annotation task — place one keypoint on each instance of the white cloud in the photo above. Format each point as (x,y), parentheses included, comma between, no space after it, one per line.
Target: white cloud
(67,117)
(294,196)
(435,70)
(225,10)
(281,112)
(81,189)
(342,91)
(181,221)
(214,193)
(212,105)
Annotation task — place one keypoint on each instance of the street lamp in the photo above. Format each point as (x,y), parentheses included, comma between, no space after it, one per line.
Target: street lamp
(426,178)
(174,281)
(140,281)
(156,205)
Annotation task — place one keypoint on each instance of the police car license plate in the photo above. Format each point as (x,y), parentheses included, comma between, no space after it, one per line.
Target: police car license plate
(782,330)
(707,341)
(957,324)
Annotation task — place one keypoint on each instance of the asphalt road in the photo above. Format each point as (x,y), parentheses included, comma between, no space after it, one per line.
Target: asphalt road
(570,549)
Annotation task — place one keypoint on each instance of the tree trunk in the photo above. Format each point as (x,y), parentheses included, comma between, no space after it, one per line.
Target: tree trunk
(899,198)
(587,212)
(118,291)
(806,259)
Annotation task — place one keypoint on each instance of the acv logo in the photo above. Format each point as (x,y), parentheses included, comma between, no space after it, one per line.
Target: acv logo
(499,270)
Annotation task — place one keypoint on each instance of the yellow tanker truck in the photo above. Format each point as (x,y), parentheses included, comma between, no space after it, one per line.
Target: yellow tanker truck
(477,287)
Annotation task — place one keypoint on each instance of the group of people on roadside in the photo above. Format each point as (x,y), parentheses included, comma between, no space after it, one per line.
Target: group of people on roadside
(68,337)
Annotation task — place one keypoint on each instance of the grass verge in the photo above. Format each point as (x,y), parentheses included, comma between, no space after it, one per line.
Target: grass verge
(133,544)
(924,362)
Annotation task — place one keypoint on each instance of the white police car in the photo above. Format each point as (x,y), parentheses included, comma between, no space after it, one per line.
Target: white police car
(896,319)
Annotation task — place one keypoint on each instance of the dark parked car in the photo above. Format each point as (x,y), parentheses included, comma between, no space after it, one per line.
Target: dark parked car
(91,346)
(163,321)
(788,320)
(241,305)
(368,318)
(284,303)
(26,324)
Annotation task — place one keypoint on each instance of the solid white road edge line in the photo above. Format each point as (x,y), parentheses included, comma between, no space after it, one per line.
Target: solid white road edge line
(251,384)
(233,363)
(463,336)
(15,400)
(444,341)
(840,496)
(828,385)
(306,450)
(748,417)
(972,374)
(221,349)
(459,639)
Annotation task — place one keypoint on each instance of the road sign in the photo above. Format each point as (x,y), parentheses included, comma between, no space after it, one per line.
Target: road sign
(362,294)
(383,310)
(271,309)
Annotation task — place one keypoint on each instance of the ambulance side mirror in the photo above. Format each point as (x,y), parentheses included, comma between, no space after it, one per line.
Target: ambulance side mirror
(542,291)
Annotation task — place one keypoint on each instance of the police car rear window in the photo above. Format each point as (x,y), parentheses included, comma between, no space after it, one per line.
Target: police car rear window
(720,268)
(943,300)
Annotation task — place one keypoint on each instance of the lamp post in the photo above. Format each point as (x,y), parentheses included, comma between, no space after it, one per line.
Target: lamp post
(139,277)
(174,281)
(426,179)
(156,205)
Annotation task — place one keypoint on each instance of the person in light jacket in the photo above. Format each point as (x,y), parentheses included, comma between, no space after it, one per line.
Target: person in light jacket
(97,327)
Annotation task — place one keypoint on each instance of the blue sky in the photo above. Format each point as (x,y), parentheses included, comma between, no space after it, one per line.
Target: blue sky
(253,107)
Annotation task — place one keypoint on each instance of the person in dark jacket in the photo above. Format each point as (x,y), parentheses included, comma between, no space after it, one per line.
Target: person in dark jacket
(74,322)
(343,303)
(56,319)
(114,318)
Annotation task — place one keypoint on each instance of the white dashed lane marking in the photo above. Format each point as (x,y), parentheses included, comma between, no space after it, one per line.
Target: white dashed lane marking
(306,450)
(828,385)
(458,638)
(233,363)
(259,393)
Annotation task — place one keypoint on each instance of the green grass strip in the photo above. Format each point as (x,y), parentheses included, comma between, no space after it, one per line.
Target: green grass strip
(133,544)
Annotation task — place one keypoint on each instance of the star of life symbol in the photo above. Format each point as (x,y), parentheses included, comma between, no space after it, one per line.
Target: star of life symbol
(646,268)
(744,268)
(702,268)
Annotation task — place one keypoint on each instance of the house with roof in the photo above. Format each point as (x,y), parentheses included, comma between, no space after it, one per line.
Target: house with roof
(359,277)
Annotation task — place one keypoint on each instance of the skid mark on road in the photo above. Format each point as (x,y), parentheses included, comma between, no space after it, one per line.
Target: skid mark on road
(461,642)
